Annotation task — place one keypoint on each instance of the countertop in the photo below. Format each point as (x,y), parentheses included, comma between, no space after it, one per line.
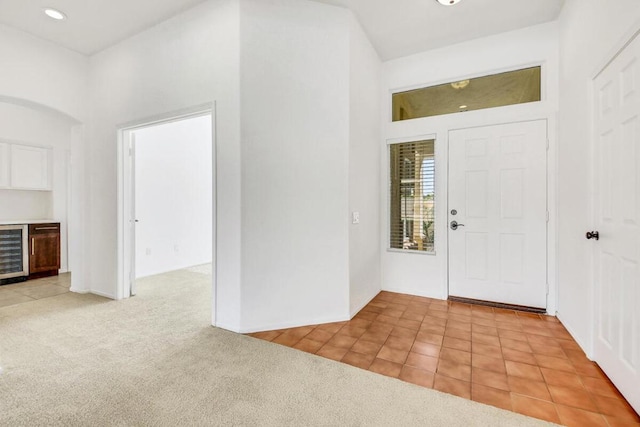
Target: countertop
(28,221)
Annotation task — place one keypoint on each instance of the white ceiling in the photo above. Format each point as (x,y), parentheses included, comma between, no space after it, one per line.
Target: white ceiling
(92,25)
(396,27)
(403,27)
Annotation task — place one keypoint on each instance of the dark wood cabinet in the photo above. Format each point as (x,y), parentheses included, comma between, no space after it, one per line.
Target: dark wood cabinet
(44,250)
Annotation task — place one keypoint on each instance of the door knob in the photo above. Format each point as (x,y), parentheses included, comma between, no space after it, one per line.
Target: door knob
(454,225)
(593,235)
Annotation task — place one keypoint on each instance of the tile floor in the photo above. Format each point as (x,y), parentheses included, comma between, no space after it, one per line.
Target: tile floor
(517,361)
(32,290)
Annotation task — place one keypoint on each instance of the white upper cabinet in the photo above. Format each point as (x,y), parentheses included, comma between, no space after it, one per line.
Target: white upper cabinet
(4,165)
(30,167)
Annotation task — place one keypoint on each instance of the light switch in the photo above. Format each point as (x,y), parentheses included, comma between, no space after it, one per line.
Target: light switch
(355,217)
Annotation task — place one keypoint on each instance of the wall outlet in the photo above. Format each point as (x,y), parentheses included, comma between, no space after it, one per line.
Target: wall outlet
(355,217)
(176,248)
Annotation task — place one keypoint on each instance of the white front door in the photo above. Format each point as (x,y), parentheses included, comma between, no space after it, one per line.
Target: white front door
(498,196)
(617,219)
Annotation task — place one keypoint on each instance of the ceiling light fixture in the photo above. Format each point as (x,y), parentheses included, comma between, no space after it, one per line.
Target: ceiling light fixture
(462,107)
(448,2)
(55,14)
(460,85)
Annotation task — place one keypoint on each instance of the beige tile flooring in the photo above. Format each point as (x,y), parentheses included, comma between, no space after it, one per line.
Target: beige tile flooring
(32,290)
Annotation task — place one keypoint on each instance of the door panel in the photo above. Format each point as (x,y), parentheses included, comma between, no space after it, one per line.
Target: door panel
(497,185)
(616,207)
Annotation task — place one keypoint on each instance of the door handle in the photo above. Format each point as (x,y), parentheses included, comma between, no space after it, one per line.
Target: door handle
(454,225)
(593,235)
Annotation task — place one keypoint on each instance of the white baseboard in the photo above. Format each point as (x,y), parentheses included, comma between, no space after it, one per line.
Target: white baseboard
(569,329)
(102,294)
(414,292)
(229,328)
(363,305)
(295,324)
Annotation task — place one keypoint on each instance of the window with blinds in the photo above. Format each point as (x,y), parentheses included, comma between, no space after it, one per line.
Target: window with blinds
(412,196)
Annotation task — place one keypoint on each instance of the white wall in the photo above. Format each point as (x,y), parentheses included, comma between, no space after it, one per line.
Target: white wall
(295,163)
(186,61)
(282,173)
(173,201)
(364,168)
(25,125)
(195,58)
(17,205)
(423,274)
(77,233)
(591,32)
(50,83)
(41,72)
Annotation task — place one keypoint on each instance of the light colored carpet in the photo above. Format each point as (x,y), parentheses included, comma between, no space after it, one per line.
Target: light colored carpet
(202,269)
(153,360)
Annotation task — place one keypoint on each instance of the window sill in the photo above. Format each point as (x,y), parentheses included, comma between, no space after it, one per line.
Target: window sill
(410,252)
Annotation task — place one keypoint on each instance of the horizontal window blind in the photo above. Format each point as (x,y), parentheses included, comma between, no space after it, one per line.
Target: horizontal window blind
(412,196)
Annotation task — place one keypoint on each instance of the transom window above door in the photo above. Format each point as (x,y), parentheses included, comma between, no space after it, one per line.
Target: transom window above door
(412,196)
(496,90)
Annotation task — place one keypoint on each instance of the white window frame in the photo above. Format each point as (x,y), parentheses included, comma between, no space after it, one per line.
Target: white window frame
(387,199)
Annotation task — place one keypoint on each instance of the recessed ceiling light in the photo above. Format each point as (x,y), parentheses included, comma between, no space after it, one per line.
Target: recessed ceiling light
(448,2)
(462,107)
(55,14)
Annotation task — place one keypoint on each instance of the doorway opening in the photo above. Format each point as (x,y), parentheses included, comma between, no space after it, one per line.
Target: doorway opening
(166,203)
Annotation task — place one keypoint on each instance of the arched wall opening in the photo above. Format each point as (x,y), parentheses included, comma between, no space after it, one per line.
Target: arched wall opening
(27,123)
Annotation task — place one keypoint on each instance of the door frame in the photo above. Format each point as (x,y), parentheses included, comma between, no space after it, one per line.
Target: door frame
(436,265)
(126,195)
(550,182)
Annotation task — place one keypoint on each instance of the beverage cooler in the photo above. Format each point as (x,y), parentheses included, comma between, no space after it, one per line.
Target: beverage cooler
(14,254)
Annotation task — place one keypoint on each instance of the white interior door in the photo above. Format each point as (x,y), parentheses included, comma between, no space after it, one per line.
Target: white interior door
(498,196)
(134,220)
(617,217)
(129,215)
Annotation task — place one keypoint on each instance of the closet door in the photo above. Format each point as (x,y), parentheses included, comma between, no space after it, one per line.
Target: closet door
(616,244)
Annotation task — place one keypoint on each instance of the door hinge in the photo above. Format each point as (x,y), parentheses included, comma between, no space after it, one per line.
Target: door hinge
(548,216)
(547,144)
